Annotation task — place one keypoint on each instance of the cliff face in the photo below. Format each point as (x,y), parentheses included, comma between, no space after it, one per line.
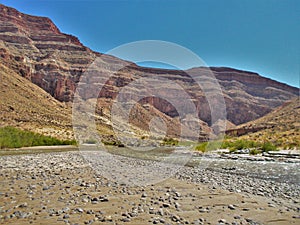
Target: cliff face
(34,48)
(38,51)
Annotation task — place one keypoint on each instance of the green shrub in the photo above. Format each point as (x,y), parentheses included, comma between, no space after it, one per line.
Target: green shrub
(254,151)
(213,145)
(201,147)
(236,145)
(112,142)
(267,146)
(11,137)
(208,146)
(170,141)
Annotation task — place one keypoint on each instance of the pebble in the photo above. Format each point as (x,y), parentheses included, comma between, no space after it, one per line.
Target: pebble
(177,194)
(125,219)
(175,218)
(231,207)
(103,199)
(166,205)
(160,212)
(24,205)
(80,210)
(203,210)
(249,220)
(107,218)
(46,188)
(144,195)
(66,216)
(222,221)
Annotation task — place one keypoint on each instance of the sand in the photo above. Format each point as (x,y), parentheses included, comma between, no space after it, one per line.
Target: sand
(61,188)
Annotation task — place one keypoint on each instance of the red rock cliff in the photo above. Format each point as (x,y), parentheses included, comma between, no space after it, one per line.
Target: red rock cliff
(36,49)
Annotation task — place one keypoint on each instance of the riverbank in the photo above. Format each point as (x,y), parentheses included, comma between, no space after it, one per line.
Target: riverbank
(38,149)
(61,188)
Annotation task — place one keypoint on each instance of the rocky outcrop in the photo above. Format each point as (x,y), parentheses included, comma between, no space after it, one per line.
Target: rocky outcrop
(47,57)
(35,48)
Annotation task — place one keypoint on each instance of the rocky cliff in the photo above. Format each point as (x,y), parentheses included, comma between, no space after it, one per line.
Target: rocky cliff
(34,48)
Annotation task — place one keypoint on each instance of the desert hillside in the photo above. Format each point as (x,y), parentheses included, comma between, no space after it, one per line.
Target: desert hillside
(27,106)
(281,126)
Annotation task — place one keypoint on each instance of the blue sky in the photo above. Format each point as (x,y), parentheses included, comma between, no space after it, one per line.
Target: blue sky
(256,35)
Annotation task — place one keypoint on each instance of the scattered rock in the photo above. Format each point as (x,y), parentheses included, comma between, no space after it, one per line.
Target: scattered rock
(222,221)
(66,216)
(231,207)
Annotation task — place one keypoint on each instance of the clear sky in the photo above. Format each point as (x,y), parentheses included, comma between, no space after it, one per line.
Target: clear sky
(257,35)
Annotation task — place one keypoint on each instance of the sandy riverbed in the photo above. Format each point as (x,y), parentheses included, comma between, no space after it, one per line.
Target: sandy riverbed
(61,188)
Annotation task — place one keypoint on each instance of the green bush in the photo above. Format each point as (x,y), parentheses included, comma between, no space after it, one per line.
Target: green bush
(170,141)
(202,147)
(267,146)
(209,146)
(11,137)
(236,145)
(239,144)
(254,151)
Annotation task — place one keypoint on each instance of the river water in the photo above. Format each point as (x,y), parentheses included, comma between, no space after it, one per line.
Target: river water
(274,170)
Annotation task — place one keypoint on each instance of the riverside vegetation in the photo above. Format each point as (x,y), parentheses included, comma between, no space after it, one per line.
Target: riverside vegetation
(11,137)
(234,145)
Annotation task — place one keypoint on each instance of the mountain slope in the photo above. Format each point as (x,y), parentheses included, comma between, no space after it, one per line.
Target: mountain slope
(281,126)
(27,106)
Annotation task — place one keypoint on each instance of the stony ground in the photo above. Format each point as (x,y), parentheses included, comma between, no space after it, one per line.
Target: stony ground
(60,188)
